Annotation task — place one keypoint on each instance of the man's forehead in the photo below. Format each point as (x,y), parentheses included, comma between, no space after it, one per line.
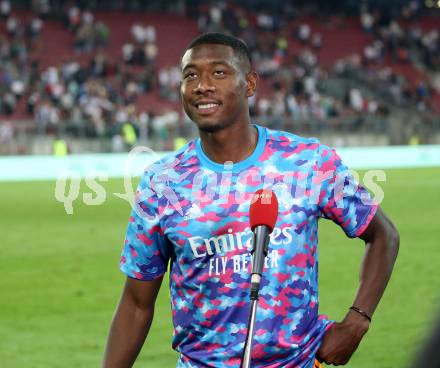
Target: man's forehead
(208,53)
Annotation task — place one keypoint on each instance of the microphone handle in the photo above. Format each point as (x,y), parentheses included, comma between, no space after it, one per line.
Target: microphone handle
(259,248)
(259,253)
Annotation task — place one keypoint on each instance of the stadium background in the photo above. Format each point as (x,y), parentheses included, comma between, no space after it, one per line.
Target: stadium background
(102,77)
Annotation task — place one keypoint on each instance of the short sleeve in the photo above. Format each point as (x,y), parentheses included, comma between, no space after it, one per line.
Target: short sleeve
(146,251)
(342,199)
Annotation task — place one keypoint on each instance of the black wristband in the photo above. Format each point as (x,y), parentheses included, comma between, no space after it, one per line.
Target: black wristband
(361,312)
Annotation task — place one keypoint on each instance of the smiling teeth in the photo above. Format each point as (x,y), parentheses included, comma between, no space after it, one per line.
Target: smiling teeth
(207,106)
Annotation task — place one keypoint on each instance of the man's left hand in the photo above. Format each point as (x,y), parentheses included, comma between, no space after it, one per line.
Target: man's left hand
(342,339)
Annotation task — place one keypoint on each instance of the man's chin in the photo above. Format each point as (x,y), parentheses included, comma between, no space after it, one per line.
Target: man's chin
(210,127)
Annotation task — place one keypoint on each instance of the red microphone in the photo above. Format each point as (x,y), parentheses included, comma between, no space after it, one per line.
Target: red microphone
(263,215)
(264,209)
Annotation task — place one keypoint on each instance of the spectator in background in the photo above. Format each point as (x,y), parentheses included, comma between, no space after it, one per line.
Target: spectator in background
(179,142)
(355,100)
(47,117)
(304,32)
(215,15)
(34,28)
(73,18)
(169,82)
(102,34)
(84,35)
(6,132)
(41,7)
(99,65)
(88,35)
(430,49)
(128,53)
(5,9)
(129,135)
(59,147)
(96,106)
(9,103)
(131,92)
(144,49)
(150,34)
(118,143)
(18,88)
(32,33)
(150,51)
(12,26)
(367,20)
(317,41)
(4,49)
(138,33)
(31,102)
(266,21)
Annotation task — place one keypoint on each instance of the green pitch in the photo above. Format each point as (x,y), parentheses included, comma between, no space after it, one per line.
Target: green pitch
(60,282)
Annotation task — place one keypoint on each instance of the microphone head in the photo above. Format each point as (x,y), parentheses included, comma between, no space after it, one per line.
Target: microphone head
(264,209)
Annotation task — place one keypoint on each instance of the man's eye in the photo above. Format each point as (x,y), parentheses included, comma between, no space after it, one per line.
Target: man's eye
(219,72)
(190,76)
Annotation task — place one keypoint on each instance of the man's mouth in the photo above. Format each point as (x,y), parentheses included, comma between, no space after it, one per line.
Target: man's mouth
(207,106)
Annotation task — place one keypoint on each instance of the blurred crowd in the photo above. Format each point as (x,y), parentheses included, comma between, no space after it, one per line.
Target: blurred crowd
(98,98)
(88,34)
(298,82)
(17,71)
(405,44)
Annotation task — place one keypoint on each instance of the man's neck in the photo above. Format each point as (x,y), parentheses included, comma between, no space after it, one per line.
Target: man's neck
(234,143)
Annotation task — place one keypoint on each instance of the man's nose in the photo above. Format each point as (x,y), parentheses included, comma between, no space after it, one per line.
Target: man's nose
(204,85)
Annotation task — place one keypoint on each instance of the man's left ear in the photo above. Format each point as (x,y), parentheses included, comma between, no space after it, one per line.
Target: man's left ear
(251,83)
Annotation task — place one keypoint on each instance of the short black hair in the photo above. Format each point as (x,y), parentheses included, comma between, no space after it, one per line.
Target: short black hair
(240,48)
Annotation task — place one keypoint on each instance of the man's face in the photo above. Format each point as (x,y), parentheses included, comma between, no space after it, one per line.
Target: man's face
(215,87)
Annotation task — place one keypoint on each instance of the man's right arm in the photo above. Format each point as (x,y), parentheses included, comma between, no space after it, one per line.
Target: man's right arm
(131,322)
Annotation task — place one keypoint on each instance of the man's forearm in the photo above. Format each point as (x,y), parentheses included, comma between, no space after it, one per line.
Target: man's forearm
(128,331)
(382,244)
(380,255)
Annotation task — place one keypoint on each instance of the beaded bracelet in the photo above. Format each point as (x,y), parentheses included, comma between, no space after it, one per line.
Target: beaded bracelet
(361,312)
